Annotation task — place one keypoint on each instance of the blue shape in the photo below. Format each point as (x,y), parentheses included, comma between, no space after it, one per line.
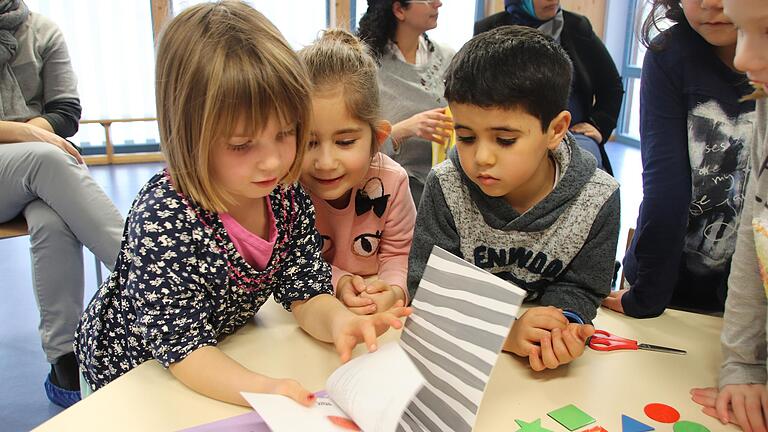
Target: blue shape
(628,424)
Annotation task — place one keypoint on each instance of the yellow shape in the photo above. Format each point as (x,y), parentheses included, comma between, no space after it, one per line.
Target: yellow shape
(439,150)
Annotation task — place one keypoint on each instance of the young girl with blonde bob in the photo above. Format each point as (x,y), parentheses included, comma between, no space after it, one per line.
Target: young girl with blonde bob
(742,398)
(365,212)
(209,239)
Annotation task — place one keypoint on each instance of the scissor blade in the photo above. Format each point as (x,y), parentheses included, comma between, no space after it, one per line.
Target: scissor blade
(660,349)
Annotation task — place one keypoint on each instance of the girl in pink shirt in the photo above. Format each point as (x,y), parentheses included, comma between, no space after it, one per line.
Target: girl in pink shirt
(365,212)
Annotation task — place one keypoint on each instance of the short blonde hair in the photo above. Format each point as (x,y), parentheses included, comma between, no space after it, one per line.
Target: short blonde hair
(216,62)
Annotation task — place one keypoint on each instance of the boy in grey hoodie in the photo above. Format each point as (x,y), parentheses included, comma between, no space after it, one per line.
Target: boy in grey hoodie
(517,196)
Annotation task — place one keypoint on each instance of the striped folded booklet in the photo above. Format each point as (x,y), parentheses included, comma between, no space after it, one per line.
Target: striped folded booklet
(462,315)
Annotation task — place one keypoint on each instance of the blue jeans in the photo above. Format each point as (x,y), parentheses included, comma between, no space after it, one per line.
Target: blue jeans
(588,144)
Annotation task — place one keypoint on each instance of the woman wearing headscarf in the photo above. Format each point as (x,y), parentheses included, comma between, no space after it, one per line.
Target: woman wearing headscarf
(597,89)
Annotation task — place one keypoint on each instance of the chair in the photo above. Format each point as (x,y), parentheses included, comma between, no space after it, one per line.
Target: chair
(17,227)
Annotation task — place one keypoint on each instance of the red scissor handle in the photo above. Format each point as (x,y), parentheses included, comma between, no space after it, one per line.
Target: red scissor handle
(604,341)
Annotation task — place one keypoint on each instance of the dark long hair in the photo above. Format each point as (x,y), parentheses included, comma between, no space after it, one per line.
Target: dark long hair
(378,25)
(660,10)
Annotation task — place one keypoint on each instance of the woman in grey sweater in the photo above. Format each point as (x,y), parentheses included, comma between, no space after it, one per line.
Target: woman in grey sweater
(411,69)
(42,176)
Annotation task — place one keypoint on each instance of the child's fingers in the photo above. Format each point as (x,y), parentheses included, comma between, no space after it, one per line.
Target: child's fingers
(352,300)
(534,359)
(721,406)
(344,347)
(573,343)
(548,311)
(710,411)
(547,322)
(704,396)
(585,331)
(739,411)
(764,403)
(562,354)
(369,335)
(547,353)
(399,311)
(364,310)
(385,321)
(376,287)
(358,283)
(754,412)
(295,391)
(533,334)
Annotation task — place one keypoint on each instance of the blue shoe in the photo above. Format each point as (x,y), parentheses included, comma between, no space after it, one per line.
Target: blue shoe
(60,396)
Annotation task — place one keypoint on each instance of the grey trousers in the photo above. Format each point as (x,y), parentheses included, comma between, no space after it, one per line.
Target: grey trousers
(65,209)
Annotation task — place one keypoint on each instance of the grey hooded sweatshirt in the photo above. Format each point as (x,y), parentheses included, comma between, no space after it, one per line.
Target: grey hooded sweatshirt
(561,251)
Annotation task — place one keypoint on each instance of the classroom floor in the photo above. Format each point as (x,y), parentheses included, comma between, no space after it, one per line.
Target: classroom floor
(23,366)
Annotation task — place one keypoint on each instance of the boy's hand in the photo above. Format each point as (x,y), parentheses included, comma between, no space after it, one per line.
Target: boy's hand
(532,327)
(560,347)
(292,389)
(383,294)
(350,330)
(745,405)
(348,291)
(613,301)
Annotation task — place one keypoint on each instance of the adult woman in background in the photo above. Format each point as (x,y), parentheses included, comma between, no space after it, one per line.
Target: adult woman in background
(42,176)
(597,90)
(411,68)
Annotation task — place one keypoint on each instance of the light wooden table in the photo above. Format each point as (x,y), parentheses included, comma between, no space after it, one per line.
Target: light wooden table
(605,385)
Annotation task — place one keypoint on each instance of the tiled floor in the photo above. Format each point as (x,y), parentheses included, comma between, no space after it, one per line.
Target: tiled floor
(23,368)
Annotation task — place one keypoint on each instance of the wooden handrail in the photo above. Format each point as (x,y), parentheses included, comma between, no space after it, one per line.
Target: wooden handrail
(107,125)
(126,120)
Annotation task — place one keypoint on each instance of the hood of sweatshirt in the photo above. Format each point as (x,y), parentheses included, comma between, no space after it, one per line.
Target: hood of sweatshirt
(576,167)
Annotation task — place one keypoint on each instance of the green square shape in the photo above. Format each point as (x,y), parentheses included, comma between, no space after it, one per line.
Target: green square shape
(571,417)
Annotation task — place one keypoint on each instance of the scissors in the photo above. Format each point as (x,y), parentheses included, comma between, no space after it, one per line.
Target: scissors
(604,341)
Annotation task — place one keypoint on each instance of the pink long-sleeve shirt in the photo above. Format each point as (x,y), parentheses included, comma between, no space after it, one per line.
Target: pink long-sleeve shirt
(367,244)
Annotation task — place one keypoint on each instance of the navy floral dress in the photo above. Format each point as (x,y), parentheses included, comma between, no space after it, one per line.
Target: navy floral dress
(179,283)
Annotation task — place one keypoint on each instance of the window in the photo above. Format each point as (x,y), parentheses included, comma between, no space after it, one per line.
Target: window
(628,129)
(299,21)
(115,69)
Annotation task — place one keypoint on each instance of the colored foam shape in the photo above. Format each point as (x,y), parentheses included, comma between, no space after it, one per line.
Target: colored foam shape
(534,426)
(689,426)
(662,413)
(595,429)
(628,424)
(571,417)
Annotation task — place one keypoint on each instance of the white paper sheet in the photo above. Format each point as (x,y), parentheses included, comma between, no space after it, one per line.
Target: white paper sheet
(374,389)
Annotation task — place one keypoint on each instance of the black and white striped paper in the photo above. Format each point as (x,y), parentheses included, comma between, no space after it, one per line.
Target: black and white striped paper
(461,317)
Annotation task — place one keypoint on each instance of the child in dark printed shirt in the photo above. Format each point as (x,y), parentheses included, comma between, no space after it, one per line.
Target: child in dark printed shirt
(224,227)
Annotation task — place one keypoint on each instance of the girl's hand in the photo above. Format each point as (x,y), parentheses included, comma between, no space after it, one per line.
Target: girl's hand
(587,130)
(432,125)
(533,326)
(745,405)
(384,295)
(353,329)
(613,301)
(348,291)
(560,347)
(292,389)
